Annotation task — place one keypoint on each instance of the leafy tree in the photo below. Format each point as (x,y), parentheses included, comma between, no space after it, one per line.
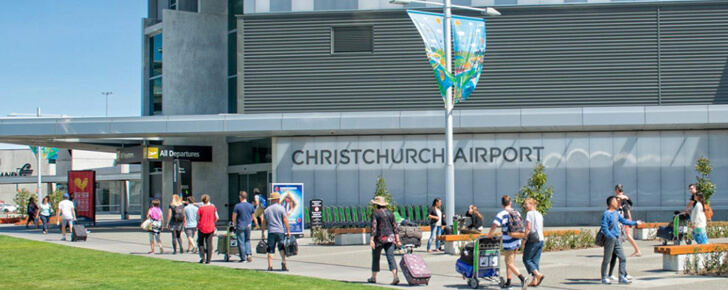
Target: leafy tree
(537,189)
(21,200)
(55,198)
(381,190)
(704,185)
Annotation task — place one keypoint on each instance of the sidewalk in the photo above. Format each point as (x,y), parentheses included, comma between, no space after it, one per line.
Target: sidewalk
(577,269)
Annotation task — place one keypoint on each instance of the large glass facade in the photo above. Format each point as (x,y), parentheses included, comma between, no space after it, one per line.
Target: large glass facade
(155,88)
(250,152)
(155,55)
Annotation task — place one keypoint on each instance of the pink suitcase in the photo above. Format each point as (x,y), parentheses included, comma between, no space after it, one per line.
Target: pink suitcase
(415,270)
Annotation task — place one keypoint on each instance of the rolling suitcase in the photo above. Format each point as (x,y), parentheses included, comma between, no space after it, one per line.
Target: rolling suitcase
(78,233)
(415,270)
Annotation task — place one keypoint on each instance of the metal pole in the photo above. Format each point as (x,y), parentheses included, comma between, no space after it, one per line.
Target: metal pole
(449,167)
(107,101)
(38,151)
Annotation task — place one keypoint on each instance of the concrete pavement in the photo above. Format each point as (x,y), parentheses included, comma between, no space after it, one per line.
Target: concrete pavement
(575,269)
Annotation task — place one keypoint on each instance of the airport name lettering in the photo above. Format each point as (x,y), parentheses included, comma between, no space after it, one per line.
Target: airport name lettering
(413,156)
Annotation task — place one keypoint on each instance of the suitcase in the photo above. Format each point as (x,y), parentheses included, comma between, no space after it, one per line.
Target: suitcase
(415,270)
(78,233)
(290,246)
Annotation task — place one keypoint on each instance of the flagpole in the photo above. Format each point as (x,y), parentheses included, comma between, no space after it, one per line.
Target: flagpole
(38,149)
(449,166)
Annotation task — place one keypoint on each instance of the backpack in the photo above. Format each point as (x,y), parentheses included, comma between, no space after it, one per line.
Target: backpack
(516,228)
(708,212)
(179,213)
(261,201)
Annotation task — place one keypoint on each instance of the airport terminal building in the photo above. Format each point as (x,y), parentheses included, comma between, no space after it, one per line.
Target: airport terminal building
(334,93)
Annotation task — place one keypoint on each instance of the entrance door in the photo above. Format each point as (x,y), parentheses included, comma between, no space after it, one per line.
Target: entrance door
(248,182)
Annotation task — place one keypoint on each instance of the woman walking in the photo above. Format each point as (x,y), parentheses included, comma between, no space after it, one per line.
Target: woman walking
(385,237)
(612,245)
(45,213)
(698,220)
(155,214)
(191,224)
(206,219)
(435,216)
(175,222)
(625,206)
(32,213)
(534,242)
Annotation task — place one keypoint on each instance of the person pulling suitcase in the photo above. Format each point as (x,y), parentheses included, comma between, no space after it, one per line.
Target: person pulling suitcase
(385,237)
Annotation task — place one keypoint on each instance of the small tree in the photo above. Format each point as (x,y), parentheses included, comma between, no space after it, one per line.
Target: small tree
(537,189)
(704,185)
(381,190)
(21,200)
(55,198)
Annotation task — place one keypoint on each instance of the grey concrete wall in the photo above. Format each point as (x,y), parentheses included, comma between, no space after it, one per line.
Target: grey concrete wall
(194,73)
(10,161)
(213,6)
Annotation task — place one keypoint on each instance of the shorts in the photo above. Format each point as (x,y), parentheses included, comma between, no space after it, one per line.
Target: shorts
(68,222)
(273,239)
(190,232)
(510,257)
(259,212)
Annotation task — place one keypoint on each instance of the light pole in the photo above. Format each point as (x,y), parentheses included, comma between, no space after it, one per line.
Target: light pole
(107,101)
(449,165)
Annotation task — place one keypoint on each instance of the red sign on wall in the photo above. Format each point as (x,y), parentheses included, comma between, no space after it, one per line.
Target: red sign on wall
(82,188)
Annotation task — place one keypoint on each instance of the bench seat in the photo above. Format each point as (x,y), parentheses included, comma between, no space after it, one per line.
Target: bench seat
(673,257)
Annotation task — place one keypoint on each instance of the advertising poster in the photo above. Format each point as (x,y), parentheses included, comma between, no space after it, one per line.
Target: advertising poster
(82,188)
(292,201)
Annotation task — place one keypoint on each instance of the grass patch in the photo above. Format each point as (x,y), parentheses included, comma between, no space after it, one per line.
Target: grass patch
(30,264)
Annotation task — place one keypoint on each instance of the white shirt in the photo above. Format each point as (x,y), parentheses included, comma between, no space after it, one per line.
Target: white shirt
(536,219)
(66,208)
(439,217)
(697,216)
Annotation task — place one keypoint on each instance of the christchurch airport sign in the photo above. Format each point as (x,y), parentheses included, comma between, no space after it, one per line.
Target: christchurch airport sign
(415,155)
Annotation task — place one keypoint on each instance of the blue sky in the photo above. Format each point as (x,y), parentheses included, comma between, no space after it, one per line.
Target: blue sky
(60,56)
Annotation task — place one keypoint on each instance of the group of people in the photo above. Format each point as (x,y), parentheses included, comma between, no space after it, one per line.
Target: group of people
(66,214)
(274,218)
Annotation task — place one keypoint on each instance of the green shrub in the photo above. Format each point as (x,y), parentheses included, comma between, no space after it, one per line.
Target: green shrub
(322,236)
(714,263)
(569,240)
(55,198)
(21,200)
(704,185)
(537,189)
(381,190)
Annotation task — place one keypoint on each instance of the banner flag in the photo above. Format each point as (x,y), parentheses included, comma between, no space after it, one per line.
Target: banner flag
(430,26)
(468,55)
(49,153)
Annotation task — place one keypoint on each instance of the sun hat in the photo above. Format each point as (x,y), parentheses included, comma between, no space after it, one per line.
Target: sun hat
(379,200)
(275,195)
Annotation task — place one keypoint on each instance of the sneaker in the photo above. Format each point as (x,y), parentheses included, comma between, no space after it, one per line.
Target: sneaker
(250,259)
(624,280)
(613,279)
(63,238)
(629,277)
(606,281)
(525,282)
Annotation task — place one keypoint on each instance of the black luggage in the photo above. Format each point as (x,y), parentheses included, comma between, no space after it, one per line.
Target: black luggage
(290,246)
(466,255)
(78,233)
(262,247)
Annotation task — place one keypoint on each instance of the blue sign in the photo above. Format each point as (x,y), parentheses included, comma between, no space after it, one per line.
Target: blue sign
(292,201)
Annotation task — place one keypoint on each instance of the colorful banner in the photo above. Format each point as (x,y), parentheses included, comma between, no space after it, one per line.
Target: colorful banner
(82,188)
(292,201)
(430,27)
(49,153)
(468,54)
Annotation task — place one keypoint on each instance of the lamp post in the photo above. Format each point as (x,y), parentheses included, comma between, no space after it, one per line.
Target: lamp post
(449,165)
(107,101)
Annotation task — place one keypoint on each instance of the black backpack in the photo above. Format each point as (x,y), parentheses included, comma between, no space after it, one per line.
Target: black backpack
(179,213)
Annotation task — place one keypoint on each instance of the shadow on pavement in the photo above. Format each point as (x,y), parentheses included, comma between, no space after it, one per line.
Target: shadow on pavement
(582,281)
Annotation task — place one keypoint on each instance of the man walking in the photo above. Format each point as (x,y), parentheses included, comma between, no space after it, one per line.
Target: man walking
(612,245)
(693,190)
(243,215)
(259,204)
(276,220)
(510,244)
(66,214)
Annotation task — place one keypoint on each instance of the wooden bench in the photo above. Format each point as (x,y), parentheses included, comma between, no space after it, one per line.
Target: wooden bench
(453,243)
(646,231)
(673,257)
(357,236)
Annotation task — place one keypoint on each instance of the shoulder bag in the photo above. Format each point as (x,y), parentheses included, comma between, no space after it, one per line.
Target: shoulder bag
(601,239)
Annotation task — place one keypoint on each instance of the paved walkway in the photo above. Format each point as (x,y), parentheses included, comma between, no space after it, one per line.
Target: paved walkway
(576,269)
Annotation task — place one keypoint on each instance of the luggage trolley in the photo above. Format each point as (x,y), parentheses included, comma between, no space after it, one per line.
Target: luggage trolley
(677,230)
(227,244)
(486,262)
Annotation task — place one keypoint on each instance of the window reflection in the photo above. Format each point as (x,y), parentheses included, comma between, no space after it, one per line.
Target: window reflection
(155,86)
(155,55)
(280,5)
(328,5)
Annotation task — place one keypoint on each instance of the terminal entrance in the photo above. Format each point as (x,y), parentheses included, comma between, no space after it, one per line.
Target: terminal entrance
(248,182)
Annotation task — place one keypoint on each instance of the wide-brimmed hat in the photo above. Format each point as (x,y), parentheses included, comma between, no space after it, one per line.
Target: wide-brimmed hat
(275,195)
(379,200)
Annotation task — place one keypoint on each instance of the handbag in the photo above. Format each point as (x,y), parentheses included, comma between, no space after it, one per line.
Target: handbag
(290,246)
(147,225)
(533,237)
(601,239)
(262,247)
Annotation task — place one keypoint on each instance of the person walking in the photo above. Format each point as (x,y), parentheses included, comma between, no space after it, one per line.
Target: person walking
(175,222)
(534,242)
(32,213)
(693,190)
(385,237)
(243,215)
(191,224)
(625,206)
(276,220)
(613,245)
(698,219)
(510,244)
(66,214)
(260,204)
(155,214)
(206,219)
(435,216)
(45,213)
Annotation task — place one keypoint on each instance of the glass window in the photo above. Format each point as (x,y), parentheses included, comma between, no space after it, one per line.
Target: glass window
(280,5)
(335,4)
(155,55)
(173,4)
(352,39)
(232,53)
(574,1)
(155,88)
(462,2)
(506,2)
(233,95)
(250,152)
(235,7)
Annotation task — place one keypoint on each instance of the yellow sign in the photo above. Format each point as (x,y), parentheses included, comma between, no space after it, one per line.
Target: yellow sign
(81,184)
(152,153)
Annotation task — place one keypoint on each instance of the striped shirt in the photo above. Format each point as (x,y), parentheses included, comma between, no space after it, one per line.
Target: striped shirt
(501,220)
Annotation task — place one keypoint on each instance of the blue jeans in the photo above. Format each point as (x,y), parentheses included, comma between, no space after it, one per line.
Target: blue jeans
(434,232)
(612,247)
(243,236)
(700,236)
(532,256)
(45,220)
